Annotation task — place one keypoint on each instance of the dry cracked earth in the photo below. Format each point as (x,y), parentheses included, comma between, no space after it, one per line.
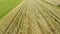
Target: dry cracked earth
(32,17)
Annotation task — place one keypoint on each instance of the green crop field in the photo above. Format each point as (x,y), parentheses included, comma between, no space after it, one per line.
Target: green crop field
(7,5)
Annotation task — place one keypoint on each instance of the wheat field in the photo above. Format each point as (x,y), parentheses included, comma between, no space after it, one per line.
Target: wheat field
(32,17)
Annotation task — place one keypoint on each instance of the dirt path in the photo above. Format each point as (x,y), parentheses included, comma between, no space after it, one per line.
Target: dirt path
(32,17)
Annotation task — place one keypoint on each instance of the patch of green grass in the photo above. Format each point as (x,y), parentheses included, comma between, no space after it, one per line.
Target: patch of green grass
(7,5)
